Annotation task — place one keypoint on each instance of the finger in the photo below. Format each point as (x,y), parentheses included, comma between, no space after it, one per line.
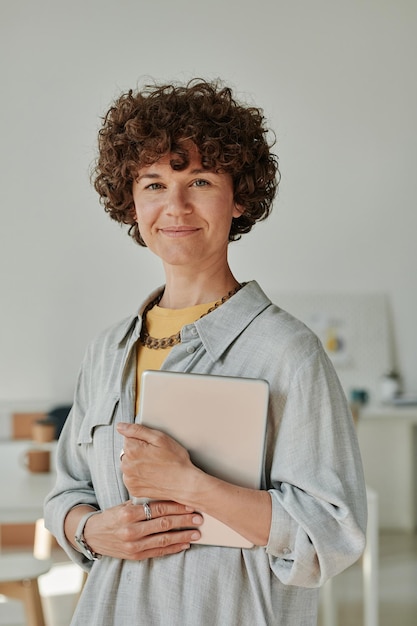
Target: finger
(159,508)
(162,544)
(164,516)
(134,513)
(168,523)
(146,531)
(159,552)
(138,431)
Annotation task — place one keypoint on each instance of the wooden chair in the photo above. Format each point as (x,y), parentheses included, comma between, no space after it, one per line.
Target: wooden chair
(19,573)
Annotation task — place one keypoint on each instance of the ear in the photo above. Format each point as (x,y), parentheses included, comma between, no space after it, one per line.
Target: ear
(238,210)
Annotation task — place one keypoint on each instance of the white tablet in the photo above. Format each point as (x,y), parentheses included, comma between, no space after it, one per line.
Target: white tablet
(221,420)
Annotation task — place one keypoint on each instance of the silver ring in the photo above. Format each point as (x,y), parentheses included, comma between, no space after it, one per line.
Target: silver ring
(148,512)
(121,454)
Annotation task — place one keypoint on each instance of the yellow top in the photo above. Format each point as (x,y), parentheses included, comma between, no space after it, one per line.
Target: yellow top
(161,323)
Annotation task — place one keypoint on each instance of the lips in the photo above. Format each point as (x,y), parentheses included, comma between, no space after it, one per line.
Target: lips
(179,231)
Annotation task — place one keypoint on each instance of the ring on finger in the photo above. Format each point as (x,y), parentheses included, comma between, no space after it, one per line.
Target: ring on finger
(147,510)
(121,454)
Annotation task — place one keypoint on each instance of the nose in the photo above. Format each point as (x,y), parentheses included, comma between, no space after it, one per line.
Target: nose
(178,201)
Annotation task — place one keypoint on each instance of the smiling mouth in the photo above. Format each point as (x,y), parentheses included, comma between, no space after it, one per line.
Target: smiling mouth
(179,231)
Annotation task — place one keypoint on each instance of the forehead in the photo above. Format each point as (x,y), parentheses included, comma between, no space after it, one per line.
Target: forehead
(186,159)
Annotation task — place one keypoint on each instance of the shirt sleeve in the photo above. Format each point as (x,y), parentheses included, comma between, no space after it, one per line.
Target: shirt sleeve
(318,490)
(73,486)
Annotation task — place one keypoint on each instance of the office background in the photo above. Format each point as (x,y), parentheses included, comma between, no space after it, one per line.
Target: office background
(337,82)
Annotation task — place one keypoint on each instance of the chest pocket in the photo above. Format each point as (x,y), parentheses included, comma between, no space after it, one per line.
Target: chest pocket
(101,445)
(96,419)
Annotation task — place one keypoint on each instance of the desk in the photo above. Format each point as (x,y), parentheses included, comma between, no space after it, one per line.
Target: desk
(22,493)
(388,441)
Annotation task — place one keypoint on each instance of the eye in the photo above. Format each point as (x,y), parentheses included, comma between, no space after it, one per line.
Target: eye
(154,186)
(200,182)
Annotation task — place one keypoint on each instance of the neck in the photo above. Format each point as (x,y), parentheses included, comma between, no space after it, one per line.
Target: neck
(185,291)
(187,286)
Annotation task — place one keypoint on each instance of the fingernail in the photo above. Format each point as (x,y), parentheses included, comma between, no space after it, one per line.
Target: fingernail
(197,519)
(122,427)
(195,536)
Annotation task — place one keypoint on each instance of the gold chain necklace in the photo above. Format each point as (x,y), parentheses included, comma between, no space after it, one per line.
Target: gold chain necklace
(167,342)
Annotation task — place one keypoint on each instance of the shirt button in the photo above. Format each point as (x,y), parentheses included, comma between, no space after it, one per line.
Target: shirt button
(286,551)
(194,331)
(190,349)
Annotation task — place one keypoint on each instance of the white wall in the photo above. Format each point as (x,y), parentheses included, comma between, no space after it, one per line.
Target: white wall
(337,81)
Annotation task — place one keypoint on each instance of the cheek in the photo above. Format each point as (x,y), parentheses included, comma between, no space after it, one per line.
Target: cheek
(144,221)
(142,215)
(146,212)
(141,210)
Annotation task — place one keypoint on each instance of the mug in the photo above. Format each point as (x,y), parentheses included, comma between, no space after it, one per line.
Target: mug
(43,431)
(37,460)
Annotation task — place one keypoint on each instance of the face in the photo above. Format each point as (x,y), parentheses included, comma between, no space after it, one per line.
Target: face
(184,217)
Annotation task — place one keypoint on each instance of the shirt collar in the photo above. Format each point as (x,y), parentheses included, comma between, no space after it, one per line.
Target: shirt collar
(133,323)
(217,330)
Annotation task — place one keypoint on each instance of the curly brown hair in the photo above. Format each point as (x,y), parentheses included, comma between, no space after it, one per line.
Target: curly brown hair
(141,127)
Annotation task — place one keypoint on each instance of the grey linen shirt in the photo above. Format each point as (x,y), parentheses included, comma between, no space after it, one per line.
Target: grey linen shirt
(312,470)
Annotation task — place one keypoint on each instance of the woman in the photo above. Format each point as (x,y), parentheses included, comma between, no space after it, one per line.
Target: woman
(189,169)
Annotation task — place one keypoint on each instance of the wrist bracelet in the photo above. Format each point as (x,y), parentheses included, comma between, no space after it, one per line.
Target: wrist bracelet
(83,546)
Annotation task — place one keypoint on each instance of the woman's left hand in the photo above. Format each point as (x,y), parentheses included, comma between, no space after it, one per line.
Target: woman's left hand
(154,465)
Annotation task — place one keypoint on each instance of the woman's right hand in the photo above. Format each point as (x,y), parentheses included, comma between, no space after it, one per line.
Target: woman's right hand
(124,532)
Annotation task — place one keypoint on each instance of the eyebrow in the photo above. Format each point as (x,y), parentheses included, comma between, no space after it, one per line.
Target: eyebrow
(150,175)
(155,175)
